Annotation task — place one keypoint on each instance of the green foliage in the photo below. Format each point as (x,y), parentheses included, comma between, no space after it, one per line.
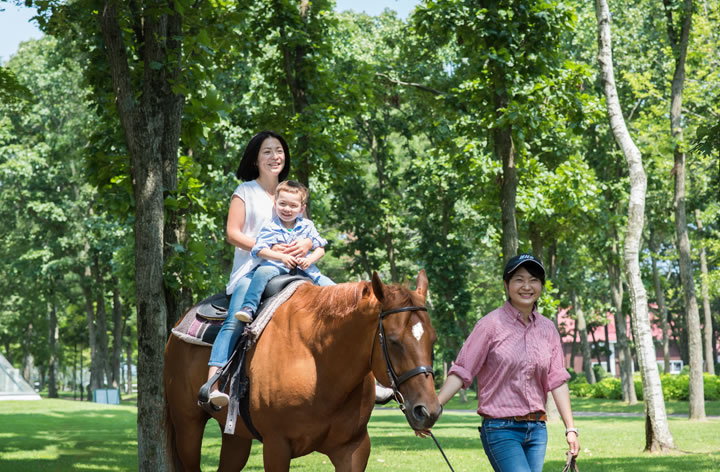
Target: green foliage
(600,372)
(11,90)
(573,374)
(608,387)
(675,387)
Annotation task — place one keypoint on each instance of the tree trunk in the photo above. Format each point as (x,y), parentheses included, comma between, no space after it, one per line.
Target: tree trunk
(28,361)
(607,349)
(622,343)
(697,400)
(52,361)
(573,348)
(101,329)
(377,152)
(118,329)
(96,370)
(128,365)
(662,309)
(708,329)
(657,431)
(504,150)
(151,120)
(582,331)
(74,374)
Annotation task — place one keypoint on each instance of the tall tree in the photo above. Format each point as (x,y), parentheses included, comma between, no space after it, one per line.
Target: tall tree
(504,46)
(679,41)
(582,332)
(708,327)
(657,431)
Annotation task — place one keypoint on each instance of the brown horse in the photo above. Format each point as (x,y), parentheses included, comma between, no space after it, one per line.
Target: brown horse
(311,372)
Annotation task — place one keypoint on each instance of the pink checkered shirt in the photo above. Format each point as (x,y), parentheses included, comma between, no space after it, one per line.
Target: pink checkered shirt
(516,365)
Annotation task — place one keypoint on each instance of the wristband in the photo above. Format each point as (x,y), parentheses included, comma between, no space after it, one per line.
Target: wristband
(573,430)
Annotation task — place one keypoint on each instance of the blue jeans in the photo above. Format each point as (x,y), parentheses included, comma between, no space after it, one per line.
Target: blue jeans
(262,276)
(232,328)
(514,446)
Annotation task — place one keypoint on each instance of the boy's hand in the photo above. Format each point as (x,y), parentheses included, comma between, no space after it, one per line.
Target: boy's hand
(303,262)
(297,248)
(289,261)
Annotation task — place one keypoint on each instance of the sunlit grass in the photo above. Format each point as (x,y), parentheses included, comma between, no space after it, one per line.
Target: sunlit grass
(65,435)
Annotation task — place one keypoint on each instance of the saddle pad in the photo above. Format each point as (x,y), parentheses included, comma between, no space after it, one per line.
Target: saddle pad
(267,310)
(198,328)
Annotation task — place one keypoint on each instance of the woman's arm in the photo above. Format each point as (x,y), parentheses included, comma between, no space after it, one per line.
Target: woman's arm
(235,223)
(451,386)
(448,390)
(561,395)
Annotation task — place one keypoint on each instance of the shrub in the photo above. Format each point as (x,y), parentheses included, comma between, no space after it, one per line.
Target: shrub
(711,384)
(573,374)
(675,387)
(580,387)
(609,387)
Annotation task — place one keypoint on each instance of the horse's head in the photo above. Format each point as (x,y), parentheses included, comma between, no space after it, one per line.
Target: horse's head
(402,356)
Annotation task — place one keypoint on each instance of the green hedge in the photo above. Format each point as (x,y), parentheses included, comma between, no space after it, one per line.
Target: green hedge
(675,387)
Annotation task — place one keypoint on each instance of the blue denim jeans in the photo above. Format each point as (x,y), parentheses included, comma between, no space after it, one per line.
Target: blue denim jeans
(262,276)
(514,446)
(232,328)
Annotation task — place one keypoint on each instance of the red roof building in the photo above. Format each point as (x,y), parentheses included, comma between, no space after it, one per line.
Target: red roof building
(598,337)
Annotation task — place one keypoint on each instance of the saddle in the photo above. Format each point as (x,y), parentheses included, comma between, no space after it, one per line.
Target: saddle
(201,324)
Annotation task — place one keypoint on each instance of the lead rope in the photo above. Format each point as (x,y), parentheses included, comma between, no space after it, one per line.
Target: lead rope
(401,406)
(441,451)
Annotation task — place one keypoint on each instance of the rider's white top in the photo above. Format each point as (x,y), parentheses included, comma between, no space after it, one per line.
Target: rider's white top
(258,213)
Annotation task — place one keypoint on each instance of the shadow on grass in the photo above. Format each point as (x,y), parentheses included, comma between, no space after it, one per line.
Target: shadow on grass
(98,439)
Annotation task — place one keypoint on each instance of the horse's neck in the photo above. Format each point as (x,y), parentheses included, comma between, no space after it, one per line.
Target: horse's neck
(347,341)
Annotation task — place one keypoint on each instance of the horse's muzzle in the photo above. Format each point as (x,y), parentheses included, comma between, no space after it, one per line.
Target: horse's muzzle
(420,417)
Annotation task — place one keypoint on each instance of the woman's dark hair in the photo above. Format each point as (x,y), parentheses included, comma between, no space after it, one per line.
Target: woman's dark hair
(247,170)
(531,267)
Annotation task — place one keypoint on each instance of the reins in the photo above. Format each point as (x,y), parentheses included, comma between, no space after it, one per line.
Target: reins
(395,380)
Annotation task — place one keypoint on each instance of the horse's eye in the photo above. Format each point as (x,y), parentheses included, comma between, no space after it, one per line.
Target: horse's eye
(395,342)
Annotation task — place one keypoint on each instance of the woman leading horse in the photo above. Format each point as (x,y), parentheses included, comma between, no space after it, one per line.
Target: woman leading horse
(311,377)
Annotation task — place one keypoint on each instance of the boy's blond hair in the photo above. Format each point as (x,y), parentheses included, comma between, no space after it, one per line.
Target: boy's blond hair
(294,187)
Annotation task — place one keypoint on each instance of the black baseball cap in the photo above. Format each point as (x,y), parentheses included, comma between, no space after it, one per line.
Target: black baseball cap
(522,259)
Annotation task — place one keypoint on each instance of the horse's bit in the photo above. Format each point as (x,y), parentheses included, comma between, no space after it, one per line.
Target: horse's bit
(395,380)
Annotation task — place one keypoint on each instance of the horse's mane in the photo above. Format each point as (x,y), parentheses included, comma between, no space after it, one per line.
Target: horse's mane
(340,300)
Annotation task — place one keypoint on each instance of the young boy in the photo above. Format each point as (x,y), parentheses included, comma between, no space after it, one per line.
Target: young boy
(287,225)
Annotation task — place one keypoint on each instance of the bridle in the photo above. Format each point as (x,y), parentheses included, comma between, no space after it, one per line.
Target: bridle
(395,379)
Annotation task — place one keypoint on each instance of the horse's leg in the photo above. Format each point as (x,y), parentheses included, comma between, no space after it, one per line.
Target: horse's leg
(234,453)
(188,442)
(353,456)
(276,455)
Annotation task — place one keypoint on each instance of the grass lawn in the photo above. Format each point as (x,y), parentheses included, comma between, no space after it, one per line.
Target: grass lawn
(712,408)
(65,435)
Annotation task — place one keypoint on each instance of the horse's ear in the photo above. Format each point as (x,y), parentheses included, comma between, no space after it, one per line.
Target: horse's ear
(377,286)
(422,283)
